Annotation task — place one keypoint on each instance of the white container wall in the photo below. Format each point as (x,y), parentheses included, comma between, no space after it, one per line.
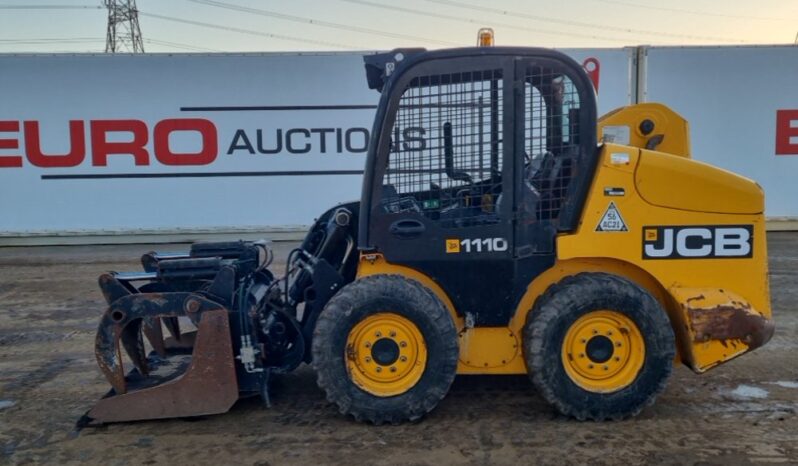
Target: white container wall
(121,144)
(733,98)
(616,75)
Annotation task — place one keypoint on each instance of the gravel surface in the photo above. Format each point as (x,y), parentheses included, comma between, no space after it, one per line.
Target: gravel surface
(742,412)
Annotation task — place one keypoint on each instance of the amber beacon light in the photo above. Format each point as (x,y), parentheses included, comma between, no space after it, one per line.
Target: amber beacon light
(485,37)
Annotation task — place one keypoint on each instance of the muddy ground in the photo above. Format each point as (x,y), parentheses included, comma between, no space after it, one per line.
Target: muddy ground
(743,412)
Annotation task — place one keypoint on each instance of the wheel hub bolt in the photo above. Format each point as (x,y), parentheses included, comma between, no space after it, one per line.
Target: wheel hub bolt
(392,334)
(368,359)
(606,368)
(590,366)
(378,369)
(368,344)
(378,334)
(403,344)
(393,369)
(403,358)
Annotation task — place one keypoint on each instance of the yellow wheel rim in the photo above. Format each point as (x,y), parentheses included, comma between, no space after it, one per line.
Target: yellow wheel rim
(603,351)
(385,354)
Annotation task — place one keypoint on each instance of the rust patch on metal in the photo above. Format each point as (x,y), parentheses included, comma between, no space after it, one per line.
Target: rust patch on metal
(154,333)
(695,298)
(733,321)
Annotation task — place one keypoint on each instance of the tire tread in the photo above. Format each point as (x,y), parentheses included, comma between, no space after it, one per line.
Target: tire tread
(341,306)
(565,296)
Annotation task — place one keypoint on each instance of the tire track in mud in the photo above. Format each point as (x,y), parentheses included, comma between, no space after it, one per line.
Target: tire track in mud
(33,378)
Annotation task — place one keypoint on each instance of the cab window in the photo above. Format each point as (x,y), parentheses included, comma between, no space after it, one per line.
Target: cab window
(445,158)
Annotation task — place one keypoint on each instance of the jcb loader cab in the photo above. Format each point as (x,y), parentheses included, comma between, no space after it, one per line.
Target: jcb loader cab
(494,235)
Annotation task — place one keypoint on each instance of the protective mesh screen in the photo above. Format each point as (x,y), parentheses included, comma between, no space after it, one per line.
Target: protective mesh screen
(551,137)
(446,153)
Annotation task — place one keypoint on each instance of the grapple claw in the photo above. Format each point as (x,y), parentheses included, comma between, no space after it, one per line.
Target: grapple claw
(154,333)
(109,355)
(133,342)
(173,326)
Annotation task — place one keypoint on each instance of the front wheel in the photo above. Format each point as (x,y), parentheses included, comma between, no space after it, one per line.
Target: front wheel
(598,346)
(385,350)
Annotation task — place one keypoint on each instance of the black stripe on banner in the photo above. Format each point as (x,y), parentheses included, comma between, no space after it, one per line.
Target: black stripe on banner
(100,176)
(273,108)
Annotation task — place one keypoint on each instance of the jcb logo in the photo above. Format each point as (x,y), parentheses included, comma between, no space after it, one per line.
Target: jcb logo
(697,242)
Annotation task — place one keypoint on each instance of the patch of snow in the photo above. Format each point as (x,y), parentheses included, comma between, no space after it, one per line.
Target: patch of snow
(748,391)
(785,384)
(6,404)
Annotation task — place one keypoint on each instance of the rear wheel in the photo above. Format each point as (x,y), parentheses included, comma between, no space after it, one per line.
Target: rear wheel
(385,350)
(598,346)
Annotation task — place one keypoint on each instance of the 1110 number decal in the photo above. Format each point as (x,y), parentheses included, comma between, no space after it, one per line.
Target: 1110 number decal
(456,245)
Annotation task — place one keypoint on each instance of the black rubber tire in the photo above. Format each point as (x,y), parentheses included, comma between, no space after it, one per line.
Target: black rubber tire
(409,299)
(559,307)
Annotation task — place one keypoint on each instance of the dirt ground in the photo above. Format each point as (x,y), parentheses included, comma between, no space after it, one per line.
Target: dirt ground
(740,413)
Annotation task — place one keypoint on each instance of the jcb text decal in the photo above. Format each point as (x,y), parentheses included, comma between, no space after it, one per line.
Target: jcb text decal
(698,242)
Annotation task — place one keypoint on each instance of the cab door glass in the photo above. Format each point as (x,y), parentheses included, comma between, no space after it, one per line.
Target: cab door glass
(551,141)
(445,158)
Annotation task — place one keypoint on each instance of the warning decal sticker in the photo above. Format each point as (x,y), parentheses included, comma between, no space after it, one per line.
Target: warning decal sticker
(611,220)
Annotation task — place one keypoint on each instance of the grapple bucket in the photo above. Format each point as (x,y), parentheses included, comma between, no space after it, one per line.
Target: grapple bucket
(188,373)
(215,322)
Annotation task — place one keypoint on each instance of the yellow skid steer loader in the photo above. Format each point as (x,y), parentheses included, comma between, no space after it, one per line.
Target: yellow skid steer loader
(502,229)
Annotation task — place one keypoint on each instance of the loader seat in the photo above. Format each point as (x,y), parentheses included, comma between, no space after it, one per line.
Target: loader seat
(551,180)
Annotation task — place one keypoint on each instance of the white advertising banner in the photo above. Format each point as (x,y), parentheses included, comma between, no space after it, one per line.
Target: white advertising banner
(168,143)
(742,106)
(164,142)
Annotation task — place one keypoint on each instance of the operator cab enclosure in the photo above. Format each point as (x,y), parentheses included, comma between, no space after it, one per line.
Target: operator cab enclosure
(478,158)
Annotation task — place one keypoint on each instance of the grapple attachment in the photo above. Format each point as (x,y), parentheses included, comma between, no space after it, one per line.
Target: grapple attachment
(204,328)
(187,373)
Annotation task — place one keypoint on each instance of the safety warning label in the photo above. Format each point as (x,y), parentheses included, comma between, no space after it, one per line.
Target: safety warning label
(611,220)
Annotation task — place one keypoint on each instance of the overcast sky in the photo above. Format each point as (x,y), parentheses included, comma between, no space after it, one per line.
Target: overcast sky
(297,25)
